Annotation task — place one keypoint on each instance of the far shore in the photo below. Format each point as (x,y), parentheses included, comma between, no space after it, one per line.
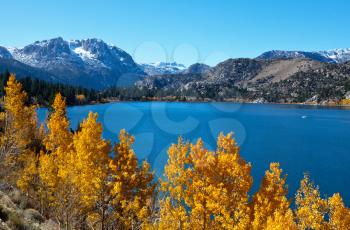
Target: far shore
(207,100)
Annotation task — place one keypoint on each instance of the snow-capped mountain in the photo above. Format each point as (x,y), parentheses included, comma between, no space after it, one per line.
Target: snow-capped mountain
(160,68)
(4,53)
(330,56)
(338,55)
(92,63)
(89,62)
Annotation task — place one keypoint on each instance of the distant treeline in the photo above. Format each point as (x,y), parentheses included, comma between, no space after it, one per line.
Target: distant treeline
(43,92)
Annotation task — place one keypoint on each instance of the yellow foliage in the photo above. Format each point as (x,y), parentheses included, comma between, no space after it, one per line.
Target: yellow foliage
(133,189)
(281,221)
(26,181)
(57,167)
(209,189)
(339,215)
(311,208)
(57,141)
(91,160)
(21,121)
(80,98)
(48,171)
(81,182)
(59,135)
(20,141)
(270,198)
(173,212)
(54,165)
(345,102)
(79,170)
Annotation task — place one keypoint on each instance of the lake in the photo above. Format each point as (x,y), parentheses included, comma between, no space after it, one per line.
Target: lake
(302,138)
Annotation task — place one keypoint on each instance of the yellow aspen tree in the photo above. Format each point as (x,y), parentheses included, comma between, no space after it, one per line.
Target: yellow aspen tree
(28,180)
(21,121)
(56,142)
(219,186)
(55,168)
(339,215)
(202,196)
(206,189)
(59,135)
(133,191)
(90,163)
(173,210)
(20,141)
(310,207)
(63,196)
(271,197)
(281,220)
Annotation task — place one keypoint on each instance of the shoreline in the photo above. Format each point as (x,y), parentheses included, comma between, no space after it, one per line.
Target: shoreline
(207,100)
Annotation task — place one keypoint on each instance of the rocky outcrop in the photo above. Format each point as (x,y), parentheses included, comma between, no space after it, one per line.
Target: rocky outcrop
(281,80)
(17,213)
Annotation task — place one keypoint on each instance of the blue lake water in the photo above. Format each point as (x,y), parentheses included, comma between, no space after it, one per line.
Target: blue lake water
(302,138)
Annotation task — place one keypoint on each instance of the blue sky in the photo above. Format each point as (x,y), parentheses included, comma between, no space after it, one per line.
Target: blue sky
(183,31)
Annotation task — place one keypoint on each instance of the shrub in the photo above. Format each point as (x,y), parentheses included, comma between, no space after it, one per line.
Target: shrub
(16,222)
(33,215)
(20,200)
(5,201)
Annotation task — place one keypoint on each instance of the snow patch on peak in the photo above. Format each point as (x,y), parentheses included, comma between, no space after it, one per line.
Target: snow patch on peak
(330,56)
(338,55)
(169,64)
(158,68)
(84,54)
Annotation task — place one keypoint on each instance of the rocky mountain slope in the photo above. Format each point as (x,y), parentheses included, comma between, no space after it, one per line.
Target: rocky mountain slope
(160,68)
(23,70)
(90,62)
(197,68)
(330,56)
(276,76)
(275,80)
(167,68)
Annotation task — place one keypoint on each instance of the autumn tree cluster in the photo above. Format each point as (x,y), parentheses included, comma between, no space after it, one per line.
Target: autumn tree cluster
(82,181)
(78,179)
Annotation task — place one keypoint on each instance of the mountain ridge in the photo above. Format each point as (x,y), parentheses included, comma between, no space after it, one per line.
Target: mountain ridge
(93,63)
(298,80)
(87,62)
(329,56)
(159,68)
